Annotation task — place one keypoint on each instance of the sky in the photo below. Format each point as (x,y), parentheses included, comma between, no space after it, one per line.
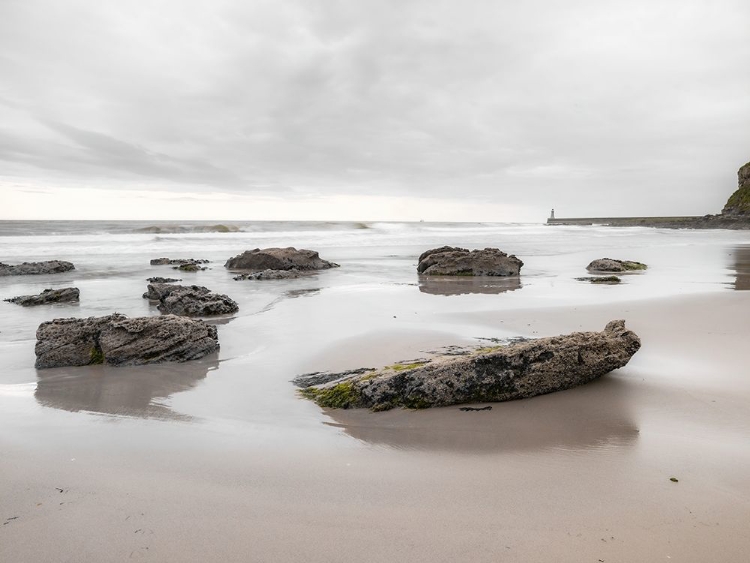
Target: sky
(371,110)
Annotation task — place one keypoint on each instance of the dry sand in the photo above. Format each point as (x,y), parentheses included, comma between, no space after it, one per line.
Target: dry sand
(577,476)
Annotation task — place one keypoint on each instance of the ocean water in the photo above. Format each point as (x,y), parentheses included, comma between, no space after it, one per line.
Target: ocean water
(336,319)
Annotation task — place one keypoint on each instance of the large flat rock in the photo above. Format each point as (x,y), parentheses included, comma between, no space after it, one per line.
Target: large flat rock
(289,258)
(36,268)
(503,373)
(121,341)
(64,295)
(454,261)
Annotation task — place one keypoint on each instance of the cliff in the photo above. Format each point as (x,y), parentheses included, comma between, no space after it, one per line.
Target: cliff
(739,202)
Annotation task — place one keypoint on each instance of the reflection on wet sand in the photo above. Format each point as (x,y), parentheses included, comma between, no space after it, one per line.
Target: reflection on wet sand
(137,391)
(741,257)
(596,415)
(451,285)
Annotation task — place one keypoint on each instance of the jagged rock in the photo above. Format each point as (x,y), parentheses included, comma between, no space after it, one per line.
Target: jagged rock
(156,290)
(320,377)
(739,202)
(119,341)
(190,300)
(611,265)
(64,295)
(270,275)
(176,261)
(36,268)
(504,373)
(159,279)
(278,259)
(454,261)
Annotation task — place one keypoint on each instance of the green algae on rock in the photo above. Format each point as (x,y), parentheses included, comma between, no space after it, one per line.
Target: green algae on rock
(515,371)
(612,265)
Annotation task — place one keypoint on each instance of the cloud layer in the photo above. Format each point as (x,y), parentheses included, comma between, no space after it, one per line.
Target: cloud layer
(632,107)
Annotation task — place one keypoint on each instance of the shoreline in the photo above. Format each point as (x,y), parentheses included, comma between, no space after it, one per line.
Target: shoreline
(576,475)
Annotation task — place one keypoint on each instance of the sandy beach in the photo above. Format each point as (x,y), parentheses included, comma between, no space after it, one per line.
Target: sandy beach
(220,459)
(581,475)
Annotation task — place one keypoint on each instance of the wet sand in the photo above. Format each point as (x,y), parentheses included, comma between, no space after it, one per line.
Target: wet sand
(581,475)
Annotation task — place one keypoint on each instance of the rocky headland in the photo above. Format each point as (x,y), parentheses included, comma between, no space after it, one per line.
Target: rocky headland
(36,268)
(64,295)
(454,261)
(735,215)
(501,373)
(117,340)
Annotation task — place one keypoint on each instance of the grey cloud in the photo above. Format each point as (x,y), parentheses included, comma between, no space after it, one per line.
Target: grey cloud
(585,104)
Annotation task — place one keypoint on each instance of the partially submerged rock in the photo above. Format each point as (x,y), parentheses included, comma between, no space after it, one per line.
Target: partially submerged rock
(289,258)
(271,275)
(176,261)
(36,268)
(190,300)
(159,279)
(600,279)
(64,295)
(611,265)
(503,373)
(190,267)
(119,341)
(454,261)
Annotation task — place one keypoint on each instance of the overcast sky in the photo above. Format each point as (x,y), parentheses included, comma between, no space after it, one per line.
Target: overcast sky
(462,110)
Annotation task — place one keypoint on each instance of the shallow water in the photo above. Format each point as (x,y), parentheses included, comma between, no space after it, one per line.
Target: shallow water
(337,319)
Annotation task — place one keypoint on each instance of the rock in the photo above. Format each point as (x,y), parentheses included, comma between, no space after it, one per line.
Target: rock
(738,203)
(278,259)
(453,261)
(36,268)
(189,301)
(610,265)
(176,261)
(119,341)
(600,279)
(65,295)
(156,290)
(190,267)
(504,373)
(159,279)
(271,275)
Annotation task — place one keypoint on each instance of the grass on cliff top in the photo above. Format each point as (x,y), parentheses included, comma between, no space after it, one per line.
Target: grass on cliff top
(740,200)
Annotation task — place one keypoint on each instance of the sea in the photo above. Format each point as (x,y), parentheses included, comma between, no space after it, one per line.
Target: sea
(342,318)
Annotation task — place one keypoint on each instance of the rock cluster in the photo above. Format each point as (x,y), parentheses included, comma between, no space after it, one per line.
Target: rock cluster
(453,261)
(515,371)
(271,275)
(190,300)
(64,295)
(36,268)
(611,265)
(159,279)
(176,261)
(121,341)
(290,258)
